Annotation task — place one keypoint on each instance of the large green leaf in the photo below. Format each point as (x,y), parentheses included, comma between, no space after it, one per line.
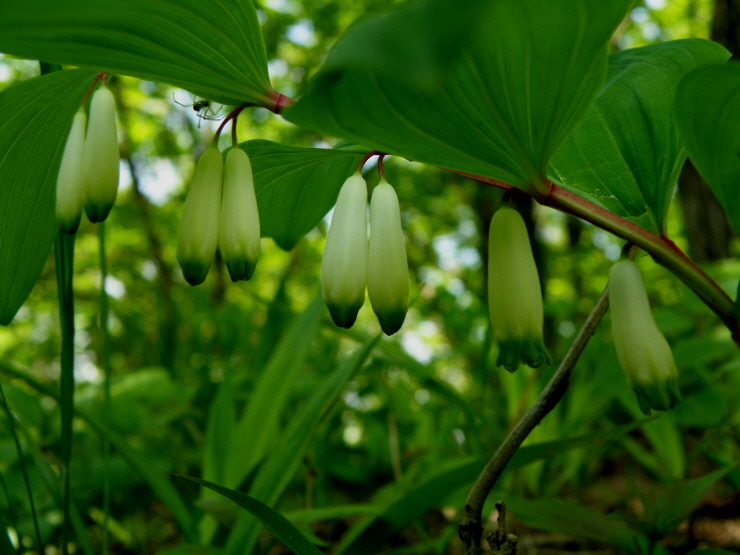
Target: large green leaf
(501,110)
(35,118)
(707,111)
(273,521)
(213,49)
(296,186)
(626,154)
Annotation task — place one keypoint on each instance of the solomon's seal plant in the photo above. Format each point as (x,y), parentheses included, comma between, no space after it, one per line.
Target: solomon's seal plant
(239,223)
(514,294)
(101,158)
(388,268)
(643,351)
(70,191)
(197,237)
(344,265)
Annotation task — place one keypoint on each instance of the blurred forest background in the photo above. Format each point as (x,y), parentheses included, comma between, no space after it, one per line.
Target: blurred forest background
(426,401)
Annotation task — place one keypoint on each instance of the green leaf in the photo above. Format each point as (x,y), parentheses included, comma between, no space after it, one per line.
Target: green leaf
(35,118)
(212,49)
(574,520)
(219,431)
(296,186)
(626,154)
(283,462)
(707,111)
(668,509)
(501,110)
(272,520)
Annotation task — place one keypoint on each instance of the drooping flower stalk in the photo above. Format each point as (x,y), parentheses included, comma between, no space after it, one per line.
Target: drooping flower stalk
(643,351)
(514,294)
(197,237)
(388,268)
(239,222)
(70,192)
(344,265)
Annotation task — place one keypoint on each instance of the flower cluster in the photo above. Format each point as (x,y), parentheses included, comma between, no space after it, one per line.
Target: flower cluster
(220,212)
(349,265)
(88,174)
(514,294)
(643,351)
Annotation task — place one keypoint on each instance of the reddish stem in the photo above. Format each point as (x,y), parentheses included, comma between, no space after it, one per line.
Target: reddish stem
(279,102)
(102,75)
(381,169)
(233,132)
(231,115)
(366,158)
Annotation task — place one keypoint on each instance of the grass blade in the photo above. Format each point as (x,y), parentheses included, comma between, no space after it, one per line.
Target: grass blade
(272,520)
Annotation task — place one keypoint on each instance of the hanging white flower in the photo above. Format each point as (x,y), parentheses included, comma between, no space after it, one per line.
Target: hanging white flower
(70,188)
(514,294)
(344,265)
(643,351)
(197,237)
(388,268)
(239,223)
(101,157)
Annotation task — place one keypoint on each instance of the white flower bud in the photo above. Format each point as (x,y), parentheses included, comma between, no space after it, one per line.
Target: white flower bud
(70,187)
(197,237)
(344,265)
(643,351)
(514,294)
(388,267)
(239,223)
(101,157)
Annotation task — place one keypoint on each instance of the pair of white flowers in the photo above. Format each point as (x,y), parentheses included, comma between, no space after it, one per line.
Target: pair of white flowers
(221,213)
(88,174)
(350,265)
(515,304)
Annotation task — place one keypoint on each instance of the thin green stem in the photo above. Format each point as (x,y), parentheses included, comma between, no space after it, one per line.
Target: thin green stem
(24,470)
(106,383)
(64,252)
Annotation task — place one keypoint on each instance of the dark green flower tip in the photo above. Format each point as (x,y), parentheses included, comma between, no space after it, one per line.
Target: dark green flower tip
(194,272)
(97,213)
(509,352)
(241,269)
(534,353)
(391,322)
(657,395)
(344,315)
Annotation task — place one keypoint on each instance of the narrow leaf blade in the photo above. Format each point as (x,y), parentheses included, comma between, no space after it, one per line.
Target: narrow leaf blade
(271,519)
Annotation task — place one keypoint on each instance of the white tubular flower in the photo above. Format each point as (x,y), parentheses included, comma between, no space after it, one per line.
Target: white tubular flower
(239,223)
(344,265)
(101,157)
(70,187)
(388,268)
(514,294)
(197,237)
(643,351)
